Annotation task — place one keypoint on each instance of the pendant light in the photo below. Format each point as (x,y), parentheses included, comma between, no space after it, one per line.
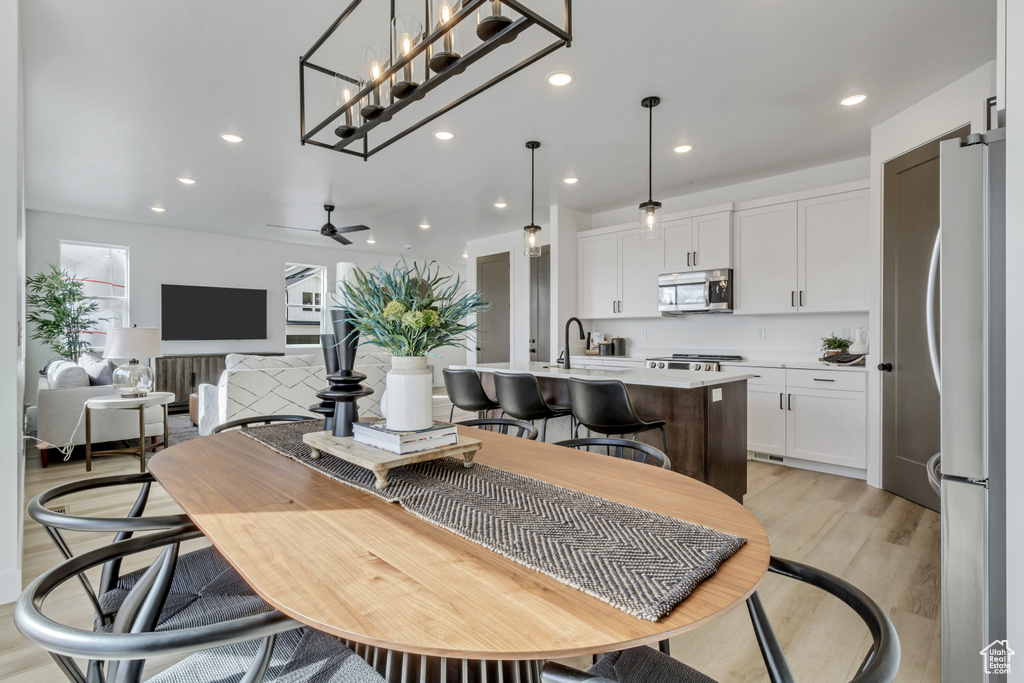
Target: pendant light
(650,211)
(531,233)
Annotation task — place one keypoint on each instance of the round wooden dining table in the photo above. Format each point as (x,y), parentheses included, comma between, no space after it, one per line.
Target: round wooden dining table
(348,563)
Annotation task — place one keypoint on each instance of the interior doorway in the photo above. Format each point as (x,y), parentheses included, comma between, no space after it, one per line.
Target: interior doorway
(910,399)
(494,334)
(540,306)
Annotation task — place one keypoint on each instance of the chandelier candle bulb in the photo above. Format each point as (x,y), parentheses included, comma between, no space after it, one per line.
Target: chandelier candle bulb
(407,30)
(441,60)
(372,64)
(345,129)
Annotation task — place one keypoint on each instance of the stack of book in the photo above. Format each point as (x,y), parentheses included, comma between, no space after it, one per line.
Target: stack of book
(375,433)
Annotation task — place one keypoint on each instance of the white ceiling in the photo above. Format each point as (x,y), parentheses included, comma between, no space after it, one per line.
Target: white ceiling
(124,96)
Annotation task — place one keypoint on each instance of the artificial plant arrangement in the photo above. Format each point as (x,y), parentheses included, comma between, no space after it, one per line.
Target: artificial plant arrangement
(834,344)
(411,310)
(60,311)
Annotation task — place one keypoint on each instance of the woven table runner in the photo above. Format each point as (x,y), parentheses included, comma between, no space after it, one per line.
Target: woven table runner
(636,560)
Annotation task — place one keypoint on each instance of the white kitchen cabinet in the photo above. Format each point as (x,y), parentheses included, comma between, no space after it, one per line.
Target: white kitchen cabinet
(827,426)
(598,276)
(766,259)
(766,419)
(832,252)
(700,243)
(805,256)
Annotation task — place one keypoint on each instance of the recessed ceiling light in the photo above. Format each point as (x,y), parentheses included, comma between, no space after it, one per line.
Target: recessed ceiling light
(571,181)
(560,78)
(500,205)
(443,135)
(187,181)
(851,100)
(157,209)
(424,226)
(230,137)
(370,240)
(682,149)
(465,255)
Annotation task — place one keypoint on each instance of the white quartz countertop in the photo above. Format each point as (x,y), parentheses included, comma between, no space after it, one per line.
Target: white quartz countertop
(678,379)
(746,363)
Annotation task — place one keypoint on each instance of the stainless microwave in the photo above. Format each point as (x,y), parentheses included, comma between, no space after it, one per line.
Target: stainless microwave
(706,291)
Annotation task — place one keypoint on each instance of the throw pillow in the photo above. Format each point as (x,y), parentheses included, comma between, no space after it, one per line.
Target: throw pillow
(65,374)
(241,361)
(100,371)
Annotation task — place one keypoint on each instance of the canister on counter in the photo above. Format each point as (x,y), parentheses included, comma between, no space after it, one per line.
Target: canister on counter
(618,346)
(605,349)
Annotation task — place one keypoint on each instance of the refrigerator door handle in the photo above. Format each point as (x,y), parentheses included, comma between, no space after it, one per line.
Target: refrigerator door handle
(933,282)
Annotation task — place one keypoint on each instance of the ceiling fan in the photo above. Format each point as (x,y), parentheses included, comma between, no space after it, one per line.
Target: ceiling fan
(328,229)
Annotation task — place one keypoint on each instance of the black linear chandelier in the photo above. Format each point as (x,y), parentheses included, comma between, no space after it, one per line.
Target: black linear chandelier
(423,50)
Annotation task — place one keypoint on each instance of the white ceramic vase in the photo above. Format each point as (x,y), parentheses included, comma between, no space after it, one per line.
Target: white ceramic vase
(408,397)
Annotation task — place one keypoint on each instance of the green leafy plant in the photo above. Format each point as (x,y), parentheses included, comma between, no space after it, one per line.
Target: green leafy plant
(60,311)
(411,310)
(834,343)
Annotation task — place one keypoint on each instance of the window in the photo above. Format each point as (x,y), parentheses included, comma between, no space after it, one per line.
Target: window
(103,268)
(304,296)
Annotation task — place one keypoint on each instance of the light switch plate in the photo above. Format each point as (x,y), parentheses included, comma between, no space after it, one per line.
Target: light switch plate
(762,333)
(716,394)
(643,334)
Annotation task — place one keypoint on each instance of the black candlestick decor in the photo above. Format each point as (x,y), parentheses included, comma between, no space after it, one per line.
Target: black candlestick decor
(345,384)
(329,344)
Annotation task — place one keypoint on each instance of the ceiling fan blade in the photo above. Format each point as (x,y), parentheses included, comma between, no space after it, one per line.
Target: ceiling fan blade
(289,227)
(353,228)
(341,239)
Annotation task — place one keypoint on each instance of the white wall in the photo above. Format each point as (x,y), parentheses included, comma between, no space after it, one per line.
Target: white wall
(160,255)
(12,249)
(565,224)
(959,103)
(1014,326)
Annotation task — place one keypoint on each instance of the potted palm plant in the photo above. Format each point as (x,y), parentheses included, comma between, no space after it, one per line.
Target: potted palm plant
(60,312)
(410,310)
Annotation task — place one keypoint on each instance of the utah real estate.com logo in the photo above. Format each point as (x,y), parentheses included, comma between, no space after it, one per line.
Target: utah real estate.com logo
(997,657)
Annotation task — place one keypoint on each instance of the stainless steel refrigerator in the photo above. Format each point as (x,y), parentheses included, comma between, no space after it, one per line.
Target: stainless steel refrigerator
(968,352)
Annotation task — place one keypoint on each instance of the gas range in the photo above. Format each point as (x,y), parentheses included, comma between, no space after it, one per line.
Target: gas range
(705,362)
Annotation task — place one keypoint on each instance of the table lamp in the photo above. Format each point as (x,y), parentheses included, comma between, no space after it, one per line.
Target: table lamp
(133,379)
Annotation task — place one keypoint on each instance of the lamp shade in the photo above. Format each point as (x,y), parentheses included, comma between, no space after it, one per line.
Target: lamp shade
(132,342)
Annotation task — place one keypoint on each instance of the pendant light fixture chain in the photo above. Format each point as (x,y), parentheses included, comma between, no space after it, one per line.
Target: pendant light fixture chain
(650,219)
(532,231)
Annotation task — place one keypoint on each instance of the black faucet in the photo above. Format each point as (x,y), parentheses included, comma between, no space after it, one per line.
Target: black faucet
(565,353)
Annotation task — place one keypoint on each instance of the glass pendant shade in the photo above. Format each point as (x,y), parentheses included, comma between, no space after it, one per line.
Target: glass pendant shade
(406,31)
(650,220)
(490,21)
(443,51)
(374,65)
(531,241)
(344,92)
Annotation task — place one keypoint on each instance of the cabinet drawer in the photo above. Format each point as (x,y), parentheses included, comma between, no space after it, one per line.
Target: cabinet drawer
(827,379)
(764,376)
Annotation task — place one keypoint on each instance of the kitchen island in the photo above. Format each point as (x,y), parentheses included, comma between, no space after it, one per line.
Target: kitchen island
(705,413)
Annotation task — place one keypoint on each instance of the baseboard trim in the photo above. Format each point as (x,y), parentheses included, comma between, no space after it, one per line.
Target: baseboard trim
(10,586)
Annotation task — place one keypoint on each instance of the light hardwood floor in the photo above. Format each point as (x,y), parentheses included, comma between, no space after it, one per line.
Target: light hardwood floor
(883,544)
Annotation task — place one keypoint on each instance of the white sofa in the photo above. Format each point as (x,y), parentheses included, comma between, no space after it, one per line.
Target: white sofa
(281,385)
(60,412)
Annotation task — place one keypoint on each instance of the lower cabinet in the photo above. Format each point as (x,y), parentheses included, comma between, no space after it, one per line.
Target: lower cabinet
(818,416)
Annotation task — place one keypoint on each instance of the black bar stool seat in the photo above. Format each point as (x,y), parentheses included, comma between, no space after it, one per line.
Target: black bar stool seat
(603,406)
(466,393)
(519,396)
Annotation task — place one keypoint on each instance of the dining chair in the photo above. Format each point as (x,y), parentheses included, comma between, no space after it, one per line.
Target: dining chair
(880,664)
(466,392)
(626,449)
(519,396)
(206,588)
(603,406)
(524,430)
(258,648)
(260,419)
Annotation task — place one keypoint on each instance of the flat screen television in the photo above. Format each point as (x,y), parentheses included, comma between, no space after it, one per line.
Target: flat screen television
(207,313)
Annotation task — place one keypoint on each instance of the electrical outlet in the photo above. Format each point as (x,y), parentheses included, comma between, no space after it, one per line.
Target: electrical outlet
(762,333)
(844,332)
(643,334)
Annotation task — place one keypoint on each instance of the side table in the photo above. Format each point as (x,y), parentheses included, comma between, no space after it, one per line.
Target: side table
(114,402)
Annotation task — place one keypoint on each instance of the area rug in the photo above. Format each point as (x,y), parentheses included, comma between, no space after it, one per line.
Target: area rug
(636,560)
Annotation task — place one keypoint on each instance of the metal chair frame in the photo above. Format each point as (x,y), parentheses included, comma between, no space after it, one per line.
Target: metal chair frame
(641,450)
(879,666)
(260,419)
(524,430)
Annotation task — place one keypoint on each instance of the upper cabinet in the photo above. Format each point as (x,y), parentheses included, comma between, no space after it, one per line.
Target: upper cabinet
(807,256)
(699,243)
(598,276)
(618,275)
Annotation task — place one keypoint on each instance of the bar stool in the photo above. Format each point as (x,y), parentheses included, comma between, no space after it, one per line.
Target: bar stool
(519,396)
(603,406)
(466,393)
